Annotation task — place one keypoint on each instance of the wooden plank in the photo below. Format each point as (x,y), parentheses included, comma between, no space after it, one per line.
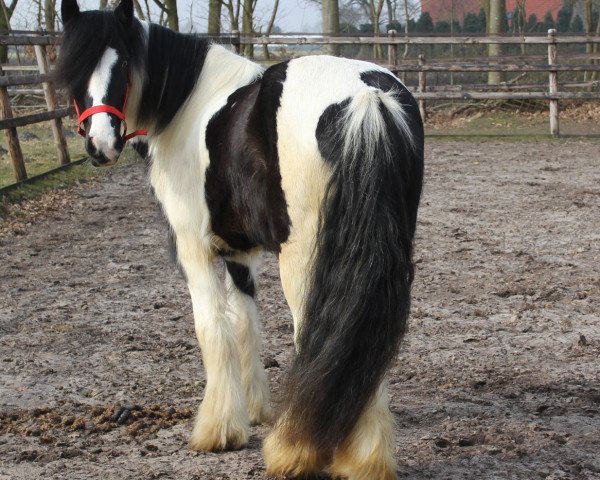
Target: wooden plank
(480,68)
(35,118)
(422,88)
(507,96)
(12,138)
(31,79)
(20,68)
(50,94)
(392,49)
(492,39)
(29,40)
(553,81)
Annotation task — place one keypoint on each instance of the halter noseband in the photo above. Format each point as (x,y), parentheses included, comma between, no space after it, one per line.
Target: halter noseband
(120,114)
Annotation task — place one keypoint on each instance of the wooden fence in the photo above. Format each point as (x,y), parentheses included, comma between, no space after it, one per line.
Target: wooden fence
(553,94)
(54,113)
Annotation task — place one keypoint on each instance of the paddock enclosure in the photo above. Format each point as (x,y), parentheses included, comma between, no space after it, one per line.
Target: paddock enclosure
(498,376)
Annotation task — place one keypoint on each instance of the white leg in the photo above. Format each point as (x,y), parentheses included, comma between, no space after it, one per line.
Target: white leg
(241,308)
(294,266)
(282,456)
(368,452)
(222,420)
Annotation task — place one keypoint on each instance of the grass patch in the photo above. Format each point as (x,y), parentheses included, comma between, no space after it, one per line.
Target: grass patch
(39,151)
(61,180)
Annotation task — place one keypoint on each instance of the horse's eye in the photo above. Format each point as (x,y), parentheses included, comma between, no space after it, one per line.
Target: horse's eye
(124,64)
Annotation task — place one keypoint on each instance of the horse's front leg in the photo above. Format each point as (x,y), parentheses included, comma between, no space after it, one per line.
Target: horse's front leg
(222,421)
(241,308)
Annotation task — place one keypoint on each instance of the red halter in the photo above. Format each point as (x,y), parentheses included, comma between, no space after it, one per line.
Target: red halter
(81,117)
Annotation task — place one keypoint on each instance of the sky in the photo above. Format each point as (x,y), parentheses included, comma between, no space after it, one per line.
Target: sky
(293,15)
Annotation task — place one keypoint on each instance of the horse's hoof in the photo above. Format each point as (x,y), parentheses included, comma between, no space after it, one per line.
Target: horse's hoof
(284,459)
(211,436)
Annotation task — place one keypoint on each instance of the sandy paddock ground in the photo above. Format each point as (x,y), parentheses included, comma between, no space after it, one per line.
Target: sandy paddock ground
(498,378)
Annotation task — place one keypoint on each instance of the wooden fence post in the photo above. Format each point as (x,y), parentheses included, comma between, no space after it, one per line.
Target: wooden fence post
(50,94)
(553,79)
(422,87)
(12,138)
(236,42)
(392,51)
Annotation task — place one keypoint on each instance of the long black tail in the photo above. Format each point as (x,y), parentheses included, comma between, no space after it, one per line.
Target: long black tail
(358,299)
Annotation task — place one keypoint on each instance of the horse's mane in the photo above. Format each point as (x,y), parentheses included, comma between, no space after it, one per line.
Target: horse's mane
(168,62)
(174,64)
(86,38)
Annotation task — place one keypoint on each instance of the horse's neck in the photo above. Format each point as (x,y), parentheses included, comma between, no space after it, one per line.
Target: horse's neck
(183,140)
(222,74)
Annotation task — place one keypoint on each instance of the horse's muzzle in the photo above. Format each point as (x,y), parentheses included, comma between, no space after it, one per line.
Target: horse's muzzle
(104,156)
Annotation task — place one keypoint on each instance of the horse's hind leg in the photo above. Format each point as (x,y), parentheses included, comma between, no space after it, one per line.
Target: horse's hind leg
(285,454)
(222,420)
(368,452)
(241,308)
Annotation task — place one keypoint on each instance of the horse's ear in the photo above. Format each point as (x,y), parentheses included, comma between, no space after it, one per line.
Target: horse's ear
(69,10)
(124,12)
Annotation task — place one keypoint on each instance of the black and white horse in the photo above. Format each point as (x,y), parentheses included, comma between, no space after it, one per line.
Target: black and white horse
(319,159)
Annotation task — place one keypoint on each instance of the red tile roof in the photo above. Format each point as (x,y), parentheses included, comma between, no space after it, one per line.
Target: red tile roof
(537,7)
(442,9)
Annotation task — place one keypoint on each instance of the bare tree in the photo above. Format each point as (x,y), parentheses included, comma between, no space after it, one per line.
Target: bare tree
(5,16)
(331,23)
(496,25)
(214,16)
(168,9)
(375,8)
(270,27)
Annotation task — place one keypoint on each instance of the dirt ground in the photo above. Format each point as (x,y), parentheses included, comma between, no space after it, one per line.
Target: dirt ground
(498,377)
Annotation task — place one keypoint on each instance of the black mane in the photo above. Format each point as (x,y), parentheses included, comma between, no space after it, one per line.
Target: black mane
(173,66)
(84,42)
(170,64)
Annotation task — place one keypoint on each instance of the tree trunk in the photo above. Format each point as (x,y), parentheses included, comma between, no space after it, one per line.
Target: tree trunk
(496,25)
(50,14)
(596,49)
(406,18)
(5,16)
(138,10)
(375,11)
(270,28)
(247,26)
(485,4)
(331,24)
(172,17)
(214,17)
(588,19)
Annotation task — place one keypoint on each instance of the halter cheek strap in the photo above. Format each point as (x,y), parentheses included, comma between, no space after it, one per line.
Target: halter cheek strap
(120,114)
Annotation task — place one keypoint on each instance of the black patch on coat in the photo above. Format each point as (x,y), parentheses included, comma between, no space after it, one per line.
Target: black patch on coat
(358,297)
(243,182)
(330,142)
(241,276)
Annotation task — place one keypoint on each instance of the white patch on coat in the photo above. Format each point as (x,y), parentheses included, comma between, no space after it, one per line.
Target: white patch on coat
(179,161)
(101,130)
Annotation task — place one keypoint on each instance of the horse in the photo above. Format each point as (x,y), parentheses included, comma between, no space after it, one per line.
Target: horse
(318,159)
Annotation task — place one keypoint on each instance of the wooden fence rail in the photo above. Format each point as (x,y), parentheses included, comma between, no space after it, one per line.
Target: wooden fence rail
(553,95)
(516,63)
(9,122)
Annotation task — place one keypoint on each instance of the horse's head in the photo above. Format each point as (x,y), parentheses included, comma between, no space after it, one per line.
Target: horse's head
(100,65)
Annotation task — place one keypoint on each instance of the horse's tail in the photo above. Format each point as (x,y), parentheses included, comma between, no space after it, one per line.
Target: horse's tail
(358,295)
